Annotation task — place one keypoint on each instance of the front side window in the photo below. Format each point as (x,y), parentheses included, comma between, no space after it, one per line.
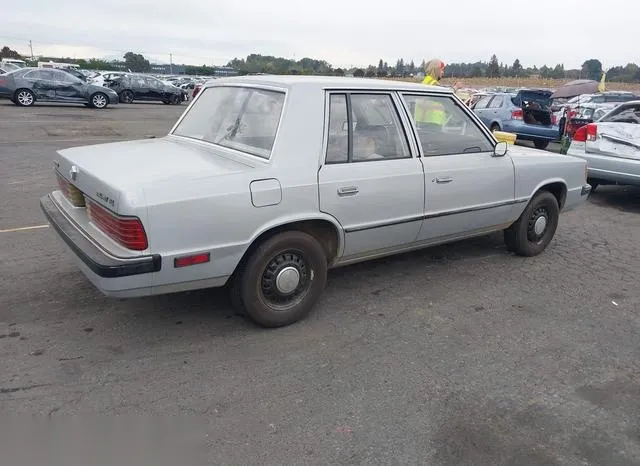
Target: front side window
(444,128)
(241,118)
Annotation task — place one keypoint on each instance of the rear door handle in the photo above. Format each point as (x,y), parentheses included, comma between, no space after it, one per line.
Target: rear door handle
(348,191)
(444,179)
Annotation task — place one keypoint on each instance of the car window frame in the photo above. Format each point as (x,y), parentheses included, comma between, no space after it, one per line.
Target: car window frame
(456,100)
(64,74)
(398,107)
(233,150)
(35,72)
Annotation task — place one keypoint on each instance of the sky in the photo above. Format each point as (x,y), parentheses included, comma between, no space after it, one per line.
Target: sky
(346,33)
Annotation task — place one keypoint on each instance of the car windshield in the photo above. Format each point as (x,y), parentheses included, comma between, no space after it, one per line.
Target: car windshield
(241,118)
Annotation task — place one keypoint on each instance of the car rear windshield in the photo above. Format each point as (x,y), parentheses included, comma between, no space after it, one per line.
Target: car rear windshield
(240,118)
(624,114)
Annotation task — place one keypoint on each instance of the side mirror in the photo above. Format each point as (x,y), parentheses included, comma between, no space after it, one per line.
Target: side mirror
(501,149)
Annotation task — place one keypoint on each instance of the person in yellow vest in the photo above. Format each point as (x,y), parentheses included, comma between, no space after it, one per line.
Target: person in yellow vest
(430,111)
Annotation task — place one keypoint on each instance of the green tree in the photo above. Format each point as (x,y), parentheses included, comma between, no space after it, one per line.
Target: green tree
(558,72)
(6,52)
(339,72)
(358,73)
(400,69)
(592,69)
(516,68)
(136,62)
(493,70)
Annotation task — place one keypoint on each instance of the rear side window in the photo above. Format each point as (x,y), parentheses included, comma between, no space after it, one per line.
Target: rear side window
(240,118)
(365,128)
(496,102)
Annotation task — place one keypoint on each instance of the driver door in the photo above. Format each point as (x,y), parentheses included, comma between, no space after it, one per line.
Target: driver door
(68,87)
(467,188)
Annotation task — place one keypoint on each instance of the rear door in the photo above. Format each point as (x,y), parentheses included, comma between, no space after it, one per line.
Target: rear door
(371,180)
(42,83)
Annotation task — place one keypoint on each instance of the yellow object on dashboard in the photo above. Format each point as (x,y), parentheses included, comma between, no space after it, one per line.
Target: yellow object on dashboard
(503,136)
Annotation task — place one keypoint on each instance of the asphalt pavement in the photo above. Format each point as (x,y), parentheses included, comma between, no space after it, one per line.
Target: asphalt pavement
(455,355)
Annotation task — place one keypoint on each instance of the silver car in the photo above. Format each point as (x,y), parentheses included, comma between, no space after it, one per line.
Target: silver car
(266,182)
(611,146)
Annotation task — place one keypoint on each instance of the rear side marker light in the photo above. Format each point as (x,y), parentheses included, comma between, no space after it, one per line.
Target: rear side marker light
(186,261)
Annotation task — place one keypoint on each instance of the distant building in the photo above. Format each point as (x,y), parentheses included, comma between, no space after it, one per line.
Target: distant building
(224,71)
(167,69)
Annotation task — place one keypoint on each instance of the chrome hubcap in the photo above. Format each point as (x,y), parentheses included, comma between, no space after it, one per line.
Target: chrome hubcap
(99,101)
(25,98)
(288,280)
(540,226)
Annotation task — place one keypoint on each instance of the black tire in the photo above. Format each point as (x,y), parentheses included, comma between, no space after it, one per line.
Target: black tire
(99,100)
(522,237)
(260,290)
(24,98)
(175,99)
(594,184)
(126,97)
(540,144)
(495,127)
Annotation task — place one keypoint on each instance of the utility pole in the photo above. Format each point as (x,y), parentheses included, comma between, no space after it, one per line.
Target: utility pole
(31,47)
(171,63)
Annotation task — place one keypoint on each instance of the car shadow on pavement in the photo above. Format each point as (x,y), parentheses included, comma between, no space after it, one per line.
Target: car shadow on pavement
(624,198)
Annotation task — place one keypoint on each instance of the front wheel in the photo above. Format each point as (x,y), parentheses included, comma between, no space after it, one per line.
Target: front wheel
(282,279)
(539,144)
(534,230)
(99,100)
(175,99)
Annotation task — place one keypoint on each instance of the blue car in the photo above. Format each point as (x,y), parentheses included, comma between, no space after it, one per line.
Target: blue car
(526,113)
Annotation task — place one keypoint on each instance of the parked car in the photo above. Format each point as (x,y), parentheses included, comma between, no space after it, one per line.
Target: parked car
(27,86)
(266,182)
(134,86)
(526,113)
(611,146)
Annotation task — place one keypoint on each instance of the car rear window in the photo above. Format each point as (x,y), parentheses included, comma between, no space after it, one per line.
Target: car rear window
(240,118)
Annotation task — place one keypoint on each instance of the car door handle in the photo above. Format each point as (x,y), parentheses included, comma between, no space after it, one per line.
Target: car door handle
(348,191)
(444,179)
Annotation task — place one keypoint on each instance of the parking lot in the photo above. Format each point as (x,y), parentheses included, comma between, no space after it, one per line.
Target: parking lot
(462,354)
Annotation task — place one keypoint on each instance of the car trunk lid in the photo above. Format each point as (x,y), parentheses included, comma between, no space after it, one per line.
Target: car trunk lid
(107,172)
(536,107)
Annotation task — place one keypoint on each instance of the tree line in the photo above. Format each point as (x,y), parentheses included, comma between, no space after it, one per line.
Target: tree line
(256,63)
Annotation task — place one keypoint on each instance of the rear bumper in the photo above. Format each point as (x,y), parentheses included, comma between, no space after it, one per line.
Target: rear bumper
(96,260)
(532,132)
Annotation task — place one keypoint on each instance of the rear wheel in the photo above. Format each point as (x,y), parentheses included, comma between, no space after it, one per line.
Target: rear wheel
(99,100)
(534,230)
(282,279)
(126,97)
(495,127)
(25,98)
(540,144)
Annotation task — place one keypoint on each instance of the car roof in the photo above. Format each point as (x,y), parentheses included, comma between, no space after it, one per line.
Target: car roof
(327,82)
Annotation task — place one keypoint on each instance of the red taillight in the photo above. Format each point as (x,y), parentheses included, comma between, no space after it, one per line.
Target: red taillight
(581,134)
(517,114)
(586,133)
(127,231)
(554,119)
(196,90)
